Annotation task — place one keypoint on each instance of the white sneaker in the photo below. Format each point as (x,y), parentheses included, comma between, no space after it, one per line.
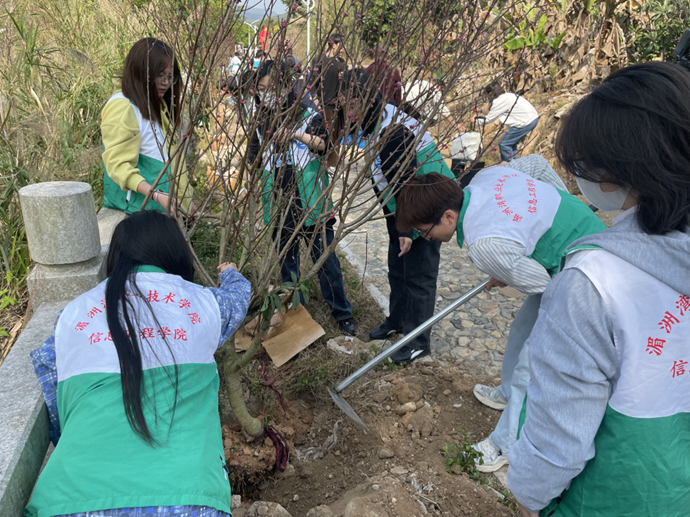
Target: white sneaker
(491,456)
(489,396)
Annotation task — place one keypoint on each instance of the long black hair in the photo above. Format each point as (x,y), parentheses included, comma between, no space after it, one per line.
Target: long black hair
(357,84)
(147,58)
(634,131)
(143,239)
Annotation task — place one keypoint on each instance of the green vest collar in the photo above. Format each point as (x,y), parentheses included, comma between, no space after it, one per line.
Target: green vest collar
(461,216)
(149,269)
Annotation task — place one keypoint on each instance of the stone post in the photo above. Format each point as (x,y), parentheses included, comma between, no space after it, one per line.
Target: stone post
(62,231)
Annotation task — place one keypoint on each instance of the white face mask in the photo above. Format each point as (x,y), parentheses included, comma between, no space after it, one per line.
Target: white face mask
(606,201)
(268,99)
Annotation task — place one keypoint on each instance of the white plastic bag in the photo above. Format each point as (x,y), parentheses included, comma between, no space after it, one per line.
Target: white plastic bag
(466,146)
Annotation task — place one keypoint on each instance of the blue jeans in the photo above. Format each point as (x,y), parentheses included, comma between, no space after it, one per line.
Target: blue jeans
(515,375)
(330,275)
(508,144)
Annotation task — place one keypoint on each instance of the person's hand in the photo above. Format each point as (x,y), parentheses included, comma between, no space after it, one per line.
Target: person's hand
(494,283)
(461,128)
(226,265)
(474,118)
(284,135)
(405,245)
(525,512)
(164,200)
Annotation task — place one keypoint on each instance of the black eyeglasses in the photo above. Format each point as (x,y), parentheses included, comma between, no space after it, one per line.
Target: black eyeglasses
(425,235)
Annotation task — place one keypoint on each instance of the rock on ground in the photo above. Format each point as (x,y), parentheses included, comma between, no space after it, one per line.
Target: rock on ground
(363,507)
(320,511)
(266,509)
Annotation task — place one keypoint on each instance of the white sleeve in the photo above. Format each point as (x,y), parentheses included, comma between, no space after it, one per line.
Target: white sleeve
(499,108)
(505,260)
(538,168)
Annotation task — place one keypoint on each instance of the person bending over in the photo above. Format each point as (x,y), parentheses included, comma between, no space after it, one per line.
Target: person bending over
(516,228)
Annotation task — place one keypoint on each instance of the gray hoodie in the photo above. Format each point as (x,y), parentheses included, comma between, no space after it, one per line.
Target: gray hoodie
(574,364)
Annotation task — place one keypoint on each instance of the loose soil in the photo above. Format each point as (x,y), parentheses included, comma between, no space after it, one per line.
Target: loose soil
(395,469)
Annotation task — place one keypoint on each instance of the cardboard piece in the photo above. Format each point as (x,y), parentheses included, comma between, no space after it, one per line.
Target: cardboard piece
(285,340)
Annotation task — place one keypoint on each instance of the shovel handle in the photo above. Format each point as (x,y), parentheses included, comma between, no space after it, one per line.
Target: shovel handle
(409,337)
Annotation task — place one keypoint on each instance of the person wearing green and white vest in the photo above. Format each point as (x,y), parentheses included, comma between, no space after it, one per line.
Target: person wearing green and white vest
(294,181)
(137,124)
(131,384)
(403,150)
(607,427)
(516,220)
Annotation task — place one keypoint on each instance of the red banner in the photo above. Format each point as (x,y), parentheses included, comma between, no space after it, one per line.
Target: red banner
(263,36)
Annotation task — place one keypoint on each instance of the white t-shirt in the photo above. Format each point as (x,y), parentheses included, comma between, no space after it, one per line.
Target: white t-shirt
(424,96)
(512,110)
(234,65)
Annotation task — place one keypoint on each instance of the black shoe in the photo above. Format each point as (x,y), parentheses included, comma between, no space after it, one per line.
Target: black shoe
(383,331)
(348,326)
(407,354)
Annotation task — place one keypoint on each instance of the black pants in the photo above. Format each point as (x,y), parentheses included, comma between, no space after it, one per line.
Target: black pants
(330,275)
(412,280)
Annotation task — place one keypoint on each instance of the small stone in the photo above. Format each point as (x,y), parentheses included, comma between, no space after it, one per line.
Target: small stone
(363,507)
(415,435)
(446,392)
(437,409)
(488,305)
(373,487)
(456,469)
(235,502)
(463,341)
(423,465)
(406,408)
(496,334)
(319,511)
(306,472)
(385,453)
(295,498)
(466,323)
(399,471)
(419,403)
(285,474)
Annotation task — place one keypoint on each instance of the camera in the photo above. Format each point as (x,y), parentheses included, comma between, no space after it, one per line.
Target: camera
(682,52)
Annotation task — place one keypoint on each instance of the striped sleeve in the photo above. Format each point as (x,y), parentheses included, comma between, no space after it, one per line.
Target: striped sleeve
(538,168)
(505,260)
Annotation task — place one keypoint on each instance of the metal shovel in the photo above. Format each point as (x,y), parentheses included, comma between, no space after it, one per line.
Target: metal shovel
(336,391)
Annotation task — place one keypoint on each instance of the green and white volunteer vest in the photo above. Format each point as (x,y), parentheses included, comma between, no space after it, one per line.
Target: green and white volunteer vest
(429,159)
(152,157)
(99,463)
(505,203)
(312,178)
(641,466)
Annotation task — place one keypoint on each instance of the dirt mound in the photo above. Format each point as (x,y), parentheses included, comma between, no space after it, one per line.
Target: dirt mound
(395,469)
